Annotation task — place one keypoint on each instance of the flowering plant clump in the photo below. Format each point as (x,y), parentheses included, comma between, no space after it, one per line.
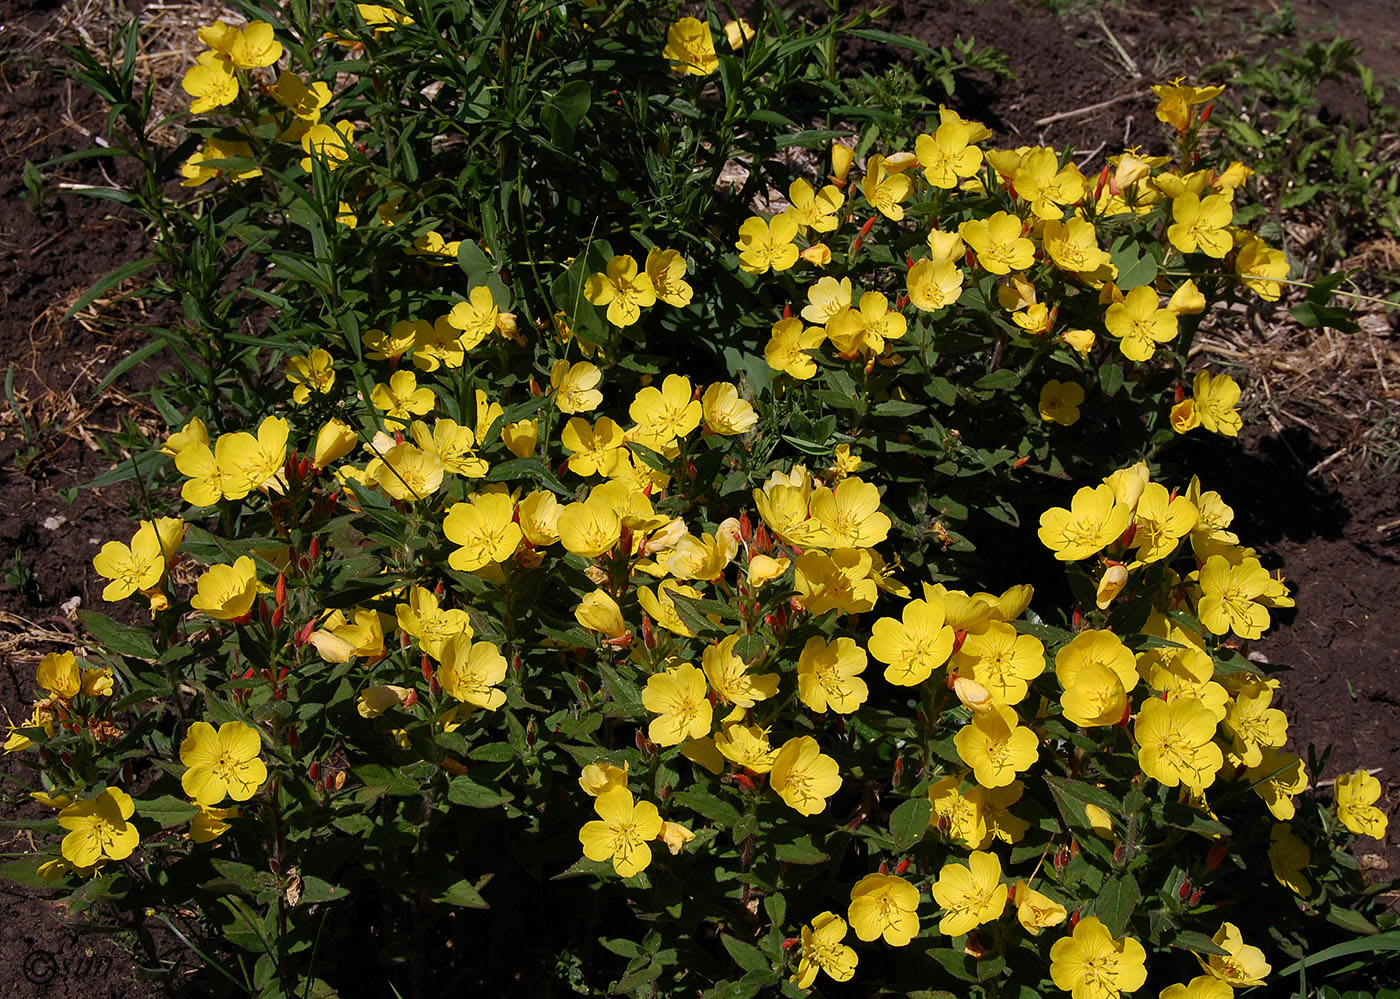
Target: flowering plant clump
(590,580)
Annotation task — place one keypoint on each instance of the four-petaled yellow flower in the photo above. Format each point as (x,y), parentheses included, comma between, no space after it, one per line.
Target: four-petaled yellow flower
(1059,402)
(622,832)
(470,671)
(485,528)
(787,350)
(679,697)
(1139,324)
(222,762)
(576,386)
(822,950)
(764,245)
(226,592)
(1175,742)
(827,677)
(998,243)
(1095,519)
(804,776)
(996,746)
(884,905)
(98,828)
(1202,224)
(691,47)
(623,289)
(1357,794)
(914,646)
(969,895)
(1241,966)
(1093,964)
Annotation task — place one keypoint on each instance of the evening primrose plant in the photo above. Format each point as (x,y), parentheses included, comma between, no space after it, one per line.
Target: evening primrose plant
(597,578)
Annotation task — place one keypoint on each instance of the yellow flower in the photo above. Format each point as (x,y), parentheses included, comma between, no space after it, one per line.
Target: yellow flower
(222,763)
(825,299)
(402,399)
(1201,224)
(1357,794)
(622,831)
(763,569)
(210,81)
(576,386)
(1094,647)
(196,172)
(971,895)
(934,284)
(1200,987)
(737,33)
(946,156)
(451,445)
(470,671)
(211,823)
(1231,596)
(1253,724)
(746,746)
(597,450)
(138,566)
(485,528)
(996,746)
(423,619)
(1041,180)
(1034,910)
(539,518)
(998,243)
(1261,267)
(1289,858)
(764,245)
(601,777)
(1091,963)
(828,677)
(305,102)
(589,528)
(849,515)
(1094,520)
(623,289)
(1216,397)
(599,612)
(1059,402)
(666,268)
(661,415)
(690,47)
(1139,324)
(1001,660)
(884,905)
(914,646)
(1175,101)
(251,48)
(729,679)
(1162,521)
(1187,300)
(1277,778)
(310,373)
(803,776)
(679,698)
(675,836)
(329,145)
(724,413)
(816,210)
(839,581)
(374,701)
(822,950)
(884,189)
(226,592)
(334,441)
(1073,245)
(867,328)
(339,640)
(1241,966)
(1082,341)
(787,350)
(1175,742)
(58,674)
(521,437)
(98,828)
(381,18)
(1096,697)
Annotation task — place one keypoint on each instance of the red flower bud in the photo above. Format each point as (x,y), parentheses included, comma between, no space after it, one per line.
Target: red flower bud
(744,781)
(902,866)
(1216,854)
(314,549)
(1184,892)
(314,771)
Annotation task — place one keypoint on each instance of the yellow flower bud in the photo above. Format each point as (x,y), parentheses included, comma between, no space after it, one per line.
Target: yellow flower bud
(334,441)
(818,254)
(841,157)
(1115,577)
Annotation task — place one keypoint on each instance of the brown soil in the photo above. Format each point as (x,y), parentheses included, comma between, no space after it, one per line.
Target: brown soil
(1335,532)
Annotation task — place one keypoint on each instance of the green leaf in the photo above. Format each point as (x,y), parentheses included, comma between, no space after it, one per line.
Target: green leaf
(746,955)
(909,821)
(800,851)
(25,871)
(106,283)
(463,790)
(1116,901)
(1198,943)
(464,894)
(706,804)
(119,638)
(167,810)
(1002,378)
(314,889)
(1110,378)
